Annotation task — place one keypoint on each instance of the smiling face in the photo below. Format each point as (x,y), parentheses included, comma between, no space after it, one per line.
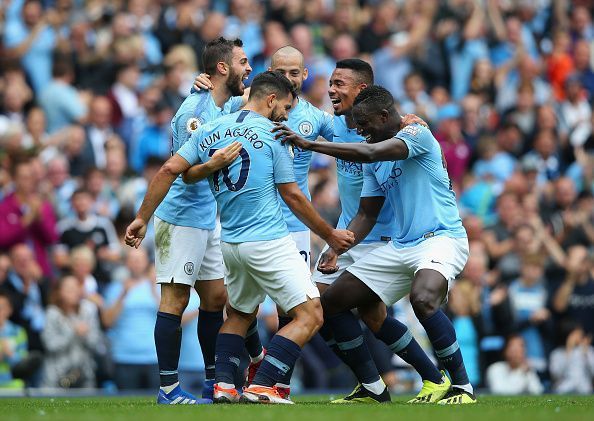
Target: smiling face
(290,66)
(344,88)
(239,70)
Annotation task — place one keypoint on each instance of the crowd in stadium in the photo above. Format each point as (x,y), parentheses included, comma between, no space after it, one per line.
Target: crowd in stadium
(87,93)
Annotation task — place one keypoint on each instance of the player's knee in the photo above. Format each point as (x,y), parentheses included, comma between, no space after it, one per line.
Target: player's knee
(310,316)
(424,303)
(213,296)
(174,298)
(330,302)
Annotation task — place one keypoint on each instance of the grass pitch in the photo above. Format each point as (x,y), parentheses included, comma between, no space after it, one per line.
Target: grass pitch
(312,408)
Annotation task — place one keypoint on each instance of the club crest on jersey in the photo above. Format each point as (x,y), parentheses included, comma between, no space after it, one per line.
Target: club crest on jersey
(305,128)
(189,268)
(411,130)
(193,124)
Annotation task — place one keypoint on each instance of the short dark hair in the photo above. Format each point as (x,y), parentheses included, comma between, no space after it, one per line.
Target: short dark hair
(80,190)
(375,98)
(360,67)
(268,82)
(220,49)
(62,67)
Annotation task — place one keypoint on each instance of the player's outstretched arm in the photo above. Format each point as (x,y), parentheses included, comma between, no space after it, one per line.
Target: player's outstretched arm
(361,225)
(220,159)
(155,194)
(389,150)
(339,240)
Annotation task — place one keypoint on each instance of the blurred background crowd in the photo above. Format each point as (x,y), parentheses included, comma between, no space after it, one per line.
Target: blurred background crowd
(87,91)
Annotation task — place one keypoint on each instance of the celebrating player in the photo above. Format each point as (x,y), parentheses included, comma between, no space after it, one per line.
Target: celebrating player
(186,234)
(430,247)
(260,256)
(311,123)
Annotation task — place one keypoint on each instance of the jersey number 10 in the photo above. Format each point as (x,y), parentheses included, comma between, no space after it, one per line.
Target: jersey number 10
(243,173)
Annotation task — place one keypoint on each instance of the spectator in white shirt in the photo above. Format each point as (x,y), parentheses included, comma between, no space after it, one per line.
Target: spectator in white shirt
(513,376)
(572,366)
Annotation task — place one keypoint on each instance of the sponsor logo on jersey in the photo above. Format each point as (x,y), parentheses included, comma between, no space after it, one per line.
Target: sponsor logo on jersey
(305,128)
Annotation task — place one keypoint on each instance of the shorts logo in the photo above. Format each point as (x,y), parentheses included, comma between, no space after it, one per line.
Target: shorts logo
(189,268)
(411,130)
(305,128)
(193,124)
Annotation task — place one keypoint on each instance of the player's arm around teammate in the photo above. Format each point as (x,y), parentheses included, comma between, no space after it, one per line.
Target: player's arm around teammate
(162,181)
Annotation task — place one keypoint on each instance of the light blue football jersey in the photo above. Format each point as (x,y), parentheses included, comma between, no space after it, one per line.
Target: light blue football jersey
(350,183)
(245,190)
(192,205)
(308,122)
(417,188)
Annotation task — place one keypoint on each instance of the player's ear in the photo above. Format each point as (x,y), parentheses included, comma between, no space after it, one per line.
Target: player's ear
(384,114)
(222,68)
(305,73)
(271,100)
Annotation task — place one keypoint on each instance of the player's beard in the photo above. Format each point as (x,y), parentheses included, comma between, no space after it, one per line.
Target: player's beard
(275,116)
(235,84)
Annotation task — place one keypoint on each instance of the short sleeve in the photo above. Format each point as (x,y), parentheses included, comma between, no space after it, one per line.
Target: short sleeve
(418,139)
(371,188)
(327,126)
(189,150)
(282,162)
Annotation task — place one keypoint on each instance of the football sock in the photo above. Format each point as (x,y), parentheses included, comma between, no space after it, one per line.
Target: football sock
(326,334)
(281,355)
(209,324)
(286,379)
(168,343)
(401,341)
(228,354)
(252,342)
(349,339)
(442,335)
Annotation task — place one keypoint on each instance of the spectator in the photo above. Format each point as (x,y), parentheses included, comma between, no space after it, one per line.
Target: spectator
(95,231)
(105,202)
(13,345)
(574,299)
(58,174)
(154,139)
(60,101)
(528,298)
(98,131)
(31,39)
(71,337)
(82,264)
(583,67)
(27,290)
(130,314)
(513,376)
(452,142)
(25,217)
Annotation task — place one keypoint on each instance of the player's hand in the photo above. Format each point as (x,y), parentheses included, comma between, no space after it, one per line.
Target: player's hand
(412,119)
(135,233)
(340,240)
(327,263)
(202,83)
(224,157)
(285,135)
